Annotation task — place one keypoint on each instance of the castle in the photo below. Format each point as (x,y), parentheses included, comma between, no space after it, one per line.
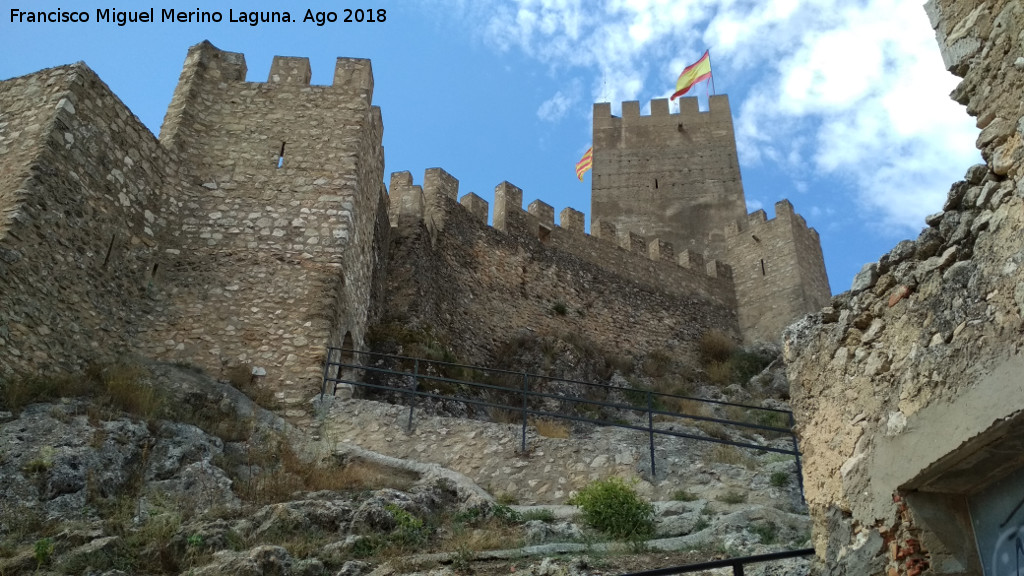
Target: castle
(230,241)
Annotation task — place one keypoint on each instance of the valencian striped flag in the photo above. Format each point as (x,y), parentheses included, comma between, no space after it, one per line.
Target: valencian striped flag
(692,74)
(585,163)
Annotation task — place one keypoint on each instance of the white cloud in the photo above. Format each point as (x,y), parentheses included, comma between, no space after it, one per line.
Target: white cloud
(826,89)
(555,108)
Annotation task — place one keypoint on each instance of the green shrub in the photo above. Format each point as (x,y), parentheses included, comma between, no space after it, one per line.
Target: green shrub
(614,508)
(780,479)
(542,514)
(768,532)
(559,308)
(506,515)
(684,496)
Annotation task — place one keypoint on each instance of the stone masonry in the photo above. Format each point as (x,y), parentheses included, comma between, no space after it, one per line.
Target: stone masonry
(675,179)
(907,390)
(256,231)
(245,235)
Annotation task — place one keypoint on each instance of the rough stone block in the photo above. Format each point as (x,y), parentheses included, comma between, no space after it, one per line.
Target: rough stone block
(289,70)
(476,206)
(865,278)
(658,250)
(571,220)
(603,230)
(542,211)
(692,260)
(437,182)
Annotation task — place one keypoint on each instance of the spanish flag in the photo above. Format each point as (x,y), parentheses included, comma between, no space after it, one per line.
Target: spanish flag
(692,74)
(585,163)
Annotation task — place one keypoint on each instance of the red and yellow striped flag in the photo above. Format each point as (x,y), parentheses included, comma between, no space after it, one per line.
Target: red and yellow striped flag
(692,74)
(585,163)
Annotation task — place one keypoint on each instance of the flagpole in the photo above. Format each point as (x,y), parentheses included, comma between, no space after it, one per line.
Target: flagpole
(712,73)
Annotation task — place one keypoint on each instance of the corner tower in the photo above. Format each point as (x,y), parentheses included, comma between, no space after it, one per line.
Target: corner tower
(280,205)
(671,176)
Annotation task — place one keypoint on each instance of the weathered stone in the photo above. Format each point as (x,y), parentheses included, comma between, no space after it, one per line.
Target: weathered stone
(865,278)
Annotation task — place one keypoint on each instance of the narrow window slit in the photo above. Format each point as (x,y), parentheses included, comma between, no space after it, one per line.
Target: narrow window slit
(110,249)
(280,157)
(762,267)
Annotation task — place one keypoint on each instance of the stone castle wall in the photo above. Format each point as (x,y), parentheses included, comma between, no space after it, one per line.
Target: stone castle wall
(779,271)
(203,247)
(669,176)
(83,207)
(907,391)
(481,286)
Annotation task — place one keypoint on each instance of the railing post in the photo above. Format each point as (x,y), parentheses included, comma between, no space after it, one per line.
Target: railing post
(796,456)
(327,367)
(737,569)
(415,388)
(522,448)
(650,430)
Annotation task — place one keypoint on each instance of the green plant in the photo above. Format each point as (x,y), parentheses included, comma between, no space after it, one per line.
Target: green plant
(505,514)
(701,523)
(732,496)
(409,531)
(684,496)
(614,508)
(768,532)
(43,552)
(542,514)
(560,308)
(780,479)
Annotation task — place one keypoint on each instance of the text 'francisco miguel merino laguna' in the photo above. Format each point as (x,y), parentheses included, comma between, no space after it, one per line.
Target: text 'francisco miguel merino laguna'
(252,18)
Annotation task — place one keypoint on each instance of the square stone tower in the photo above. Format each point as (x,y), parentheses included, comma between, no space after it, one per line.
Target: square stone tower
(670,176)
(675,178)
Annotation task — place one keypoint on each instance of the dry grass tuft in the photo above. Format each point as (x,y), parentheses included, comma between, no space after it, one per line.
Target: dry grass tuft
(715,347)
(725,454)
(551,428)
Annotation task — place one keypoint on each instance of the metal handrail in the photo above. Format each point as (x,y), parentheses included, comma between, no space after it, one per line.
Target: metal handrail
(525,394)
(735,563)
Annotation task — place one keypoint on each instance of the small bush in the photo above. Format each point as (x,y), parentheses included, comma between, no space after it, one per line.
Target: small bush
(780,479)
(560,308)
(614,508)
(684,496)
(506,515)
(657,363)
(732,497)
(720,372)
(543,514)
(768,532)
(43,552)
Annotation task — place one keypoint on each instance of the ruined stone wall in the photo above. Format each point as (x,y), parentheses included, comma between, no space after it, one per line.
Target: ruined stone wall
(82,209)
(280,183)
(671,176)
(779,272)
(481,286)
(907,390)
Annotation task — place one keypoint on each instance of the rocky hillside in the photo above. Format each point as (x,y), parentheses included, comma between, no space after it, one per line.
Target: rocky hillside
(160,469)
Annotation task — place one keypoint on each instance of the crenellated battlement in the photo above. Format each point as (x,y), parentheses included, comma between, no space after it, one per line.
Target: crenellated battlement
(661,114)
(758,220)
(432,202)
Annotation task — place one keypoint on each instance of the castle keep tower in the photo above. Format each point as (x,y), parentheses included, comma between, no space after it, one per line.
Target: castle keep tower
(676,178)
(670,176)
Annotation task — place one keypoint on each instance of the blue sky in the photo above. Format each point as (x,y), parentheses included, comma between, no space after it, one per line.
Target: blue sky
(840,106)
